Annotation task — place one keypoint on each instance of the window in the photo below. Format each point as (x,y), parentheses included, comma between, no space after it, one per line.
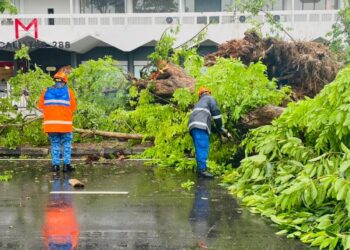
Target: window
(278,5)
(316,4)
(102,6)
(138,65)
(320,5)
(332,4)
(155,6)
(124,66)
(309,5)
(189,5)
(227,5)
(298,5)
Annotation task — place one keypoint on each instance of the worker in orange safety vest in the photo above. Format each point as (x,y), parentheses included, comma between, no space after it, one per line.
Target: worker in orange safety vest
(58,105)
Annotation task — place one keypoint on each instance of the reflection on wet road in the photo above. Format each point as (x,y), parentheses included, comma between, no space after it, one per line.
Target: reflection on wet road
(157,213)
(60,230)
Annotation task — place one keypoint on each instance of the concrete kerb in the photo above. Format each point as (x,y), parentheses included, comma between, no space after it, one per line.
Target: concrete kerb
(77,151)
(46,162)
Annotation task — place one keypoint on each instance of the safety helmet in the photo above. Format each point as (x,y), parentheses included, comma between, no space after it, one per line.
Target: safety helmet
(203,90)
(62,76)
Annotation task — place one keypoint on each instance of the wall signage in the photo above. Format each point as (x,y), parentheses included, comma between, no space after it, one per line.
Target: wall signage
(33,25)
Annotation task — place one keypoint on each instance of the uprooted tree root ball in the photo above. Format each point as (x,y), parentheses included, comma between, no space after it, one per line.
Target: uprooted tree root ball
(306,66)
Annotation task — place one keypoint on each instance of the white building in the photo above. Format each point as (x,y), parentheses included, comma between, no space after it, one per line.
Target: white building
(73,31)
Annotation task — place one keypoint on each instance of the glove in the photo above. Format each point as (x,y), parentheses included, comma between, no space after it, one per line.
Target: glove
(225,133)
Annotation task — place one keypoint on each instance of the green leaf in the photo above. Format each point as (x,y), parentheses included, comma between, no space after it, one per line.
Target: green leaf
(325,243)
(342,193)
(338,184)
(318,241)
(276,219)
(346,241)
(313,191)
(333,230)
(258,158)
(344,148)
(282,232)
(318,158)
(347,202)
(334,243)
(133,92)
(344,166)
(255,174)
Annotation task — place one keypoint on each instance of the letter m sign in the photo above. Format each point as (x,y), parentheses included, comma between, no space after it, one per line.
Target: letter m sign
(34,23)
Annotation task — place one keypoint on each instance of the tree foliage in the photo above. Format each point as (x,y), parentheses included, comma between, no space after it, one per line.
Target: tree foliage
(7,5)
(340,34)
(253,7)
(184,54)
(297,170)
(237,88)
(164,47)
(276,28)
(100,87)
(14,126)
(23,53)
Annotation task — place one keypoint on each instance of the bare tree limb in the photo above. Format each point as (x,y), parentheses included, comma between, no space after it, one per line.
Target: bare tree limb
(110,134)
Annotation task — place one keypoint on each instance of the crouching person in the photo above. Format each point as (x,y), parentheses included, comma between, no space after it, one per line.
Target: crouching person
(58,105)
(199,126)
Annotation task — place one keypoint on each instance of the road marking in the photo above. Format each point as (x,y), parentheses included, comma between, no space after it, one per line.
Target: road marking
(88,192)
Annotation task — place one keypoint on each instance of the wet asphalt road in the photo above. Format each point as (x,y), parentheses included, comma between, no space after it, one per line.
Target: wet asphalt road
(156,214)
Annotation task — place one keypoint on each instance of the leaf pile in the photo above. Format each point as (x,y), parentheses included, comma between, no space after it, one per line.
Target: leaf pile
(298,171)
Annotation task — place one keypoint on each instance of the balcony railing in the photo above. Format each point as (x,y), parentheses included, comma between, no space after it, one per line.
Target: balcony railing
(167,18)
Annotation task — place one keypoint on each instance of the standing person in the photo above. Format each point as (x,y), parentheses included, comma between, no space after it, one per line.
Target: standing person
(200,127)
(58,105)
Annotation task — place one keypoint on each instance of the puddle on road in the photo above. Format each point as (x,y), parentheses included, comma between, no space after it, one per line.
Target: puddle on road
(156,214)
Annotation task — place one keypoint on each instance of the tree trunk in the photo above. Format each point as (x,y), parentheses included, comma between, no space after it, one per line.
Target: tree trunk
(261,116)
(167,79)
(76,183)
(109,134)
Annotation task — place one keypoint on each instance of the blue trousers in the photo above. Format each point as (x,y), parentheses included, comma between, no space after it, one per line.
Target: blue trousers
(201,144)
(57,140)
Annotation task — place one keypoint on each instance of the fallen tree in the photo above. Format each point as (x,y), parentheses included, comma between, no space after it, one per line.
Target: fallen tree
(84,132)
(298,169)
(109,134)
(167,79)
(253,119)
(306,66)
(260,116)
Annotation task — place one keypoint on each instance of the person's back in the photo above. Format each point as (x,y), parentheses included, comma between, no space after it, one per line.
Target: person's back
(58,105)
(204,110)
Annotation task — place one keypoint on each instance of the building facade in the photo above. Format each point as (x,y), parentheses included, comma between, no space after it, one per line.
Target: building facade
(62,32)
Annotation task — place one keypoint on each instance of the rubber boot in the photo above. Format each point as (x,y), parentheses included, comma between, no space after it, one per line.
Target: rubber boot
(67,168)
(55,168)
(205,174)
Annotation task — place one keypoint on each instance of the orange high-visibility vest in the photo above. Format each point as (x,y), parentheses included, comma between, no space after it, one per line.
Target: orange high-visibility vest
(61,227)
(58,106)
